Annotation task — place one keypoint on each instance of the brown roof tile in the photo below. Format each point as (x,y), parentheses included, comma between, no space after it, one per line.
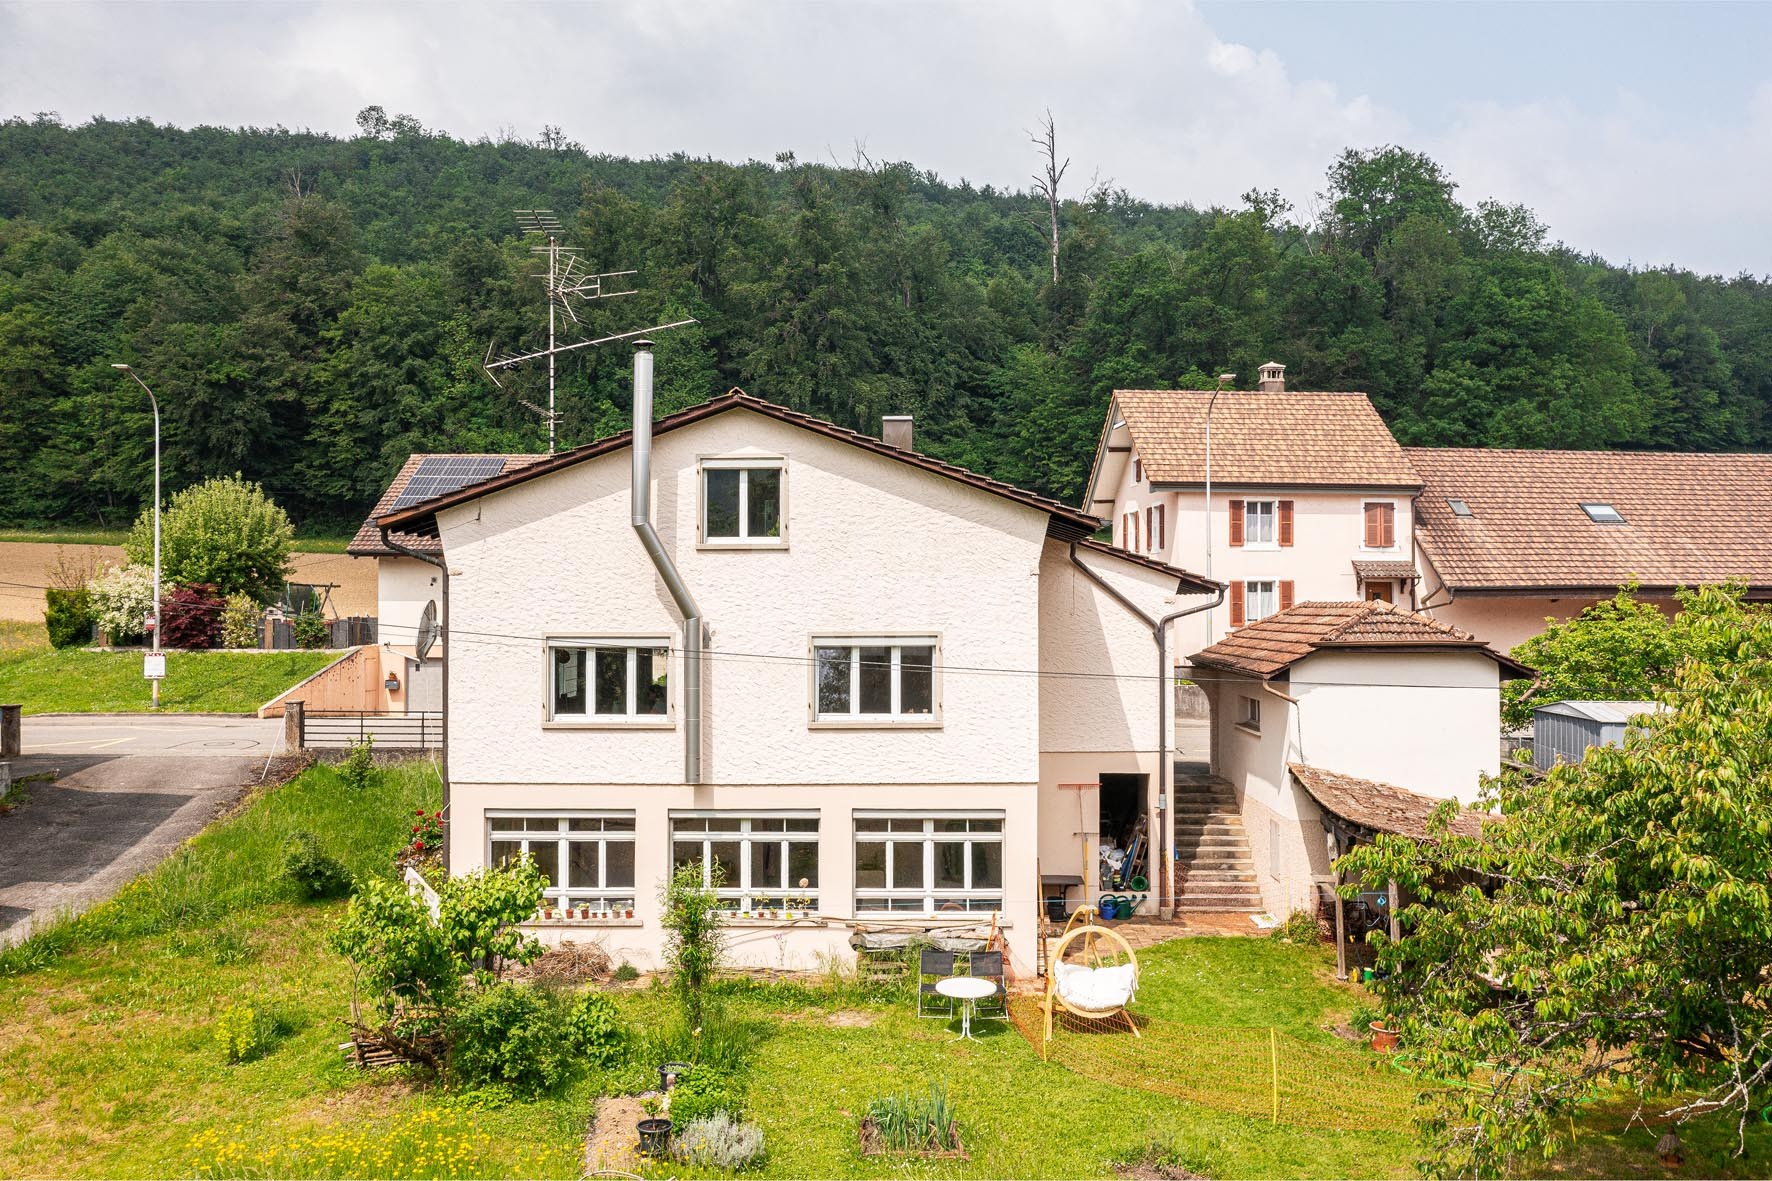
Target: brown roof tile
(1275,643)
(367,542)
(1403,570)
(1382,807)
(1064,521)
(1293,439)
(1688,519)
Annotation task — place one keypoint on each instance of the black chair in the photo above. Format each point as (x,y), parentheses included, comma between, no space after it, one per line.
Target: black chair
(933,965)
(988,965)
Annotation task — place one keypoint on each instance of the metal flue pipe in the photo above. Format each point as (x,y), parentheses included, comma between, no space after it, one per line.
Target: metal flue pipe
(661,561)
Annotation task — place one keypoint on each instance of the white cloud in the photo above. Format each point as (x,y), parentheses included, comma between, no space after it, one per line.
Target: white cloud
(1143,92)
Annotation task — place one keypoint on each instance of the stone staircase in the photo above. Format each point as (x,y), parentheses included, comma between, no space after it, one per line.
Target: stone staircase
(1214,870)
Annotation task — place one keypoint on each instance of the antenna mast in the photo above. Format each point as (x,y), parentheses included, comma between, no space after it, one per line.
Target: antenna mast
(567,280)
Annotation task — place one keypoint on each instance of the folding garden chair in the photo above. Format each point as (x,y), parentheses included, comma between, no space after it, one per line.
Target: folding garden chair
(933,965)
(988,965)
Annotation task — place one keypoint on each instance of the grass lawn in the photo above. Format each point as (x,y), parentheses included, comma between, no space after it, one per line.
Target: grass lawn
(108,1064)
(72,680)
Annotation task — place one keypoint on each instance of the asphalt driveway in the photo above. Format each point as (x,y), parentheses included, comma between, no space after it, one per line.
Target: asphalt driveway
(130,789)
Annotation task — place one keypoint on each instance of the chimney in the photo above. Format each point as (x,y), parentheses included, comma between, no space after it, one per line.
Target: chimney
(1273,378)
(897,430)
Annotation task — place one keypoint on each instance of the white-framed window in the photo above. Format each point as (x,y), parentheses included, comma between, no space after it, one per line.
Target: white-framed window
(874,679)
(928,864)
(608,679)
(765,862)
(1602,513)
(1154,530)
(1260,599)
(587,857)
(1259,523)
(1249,717)
(743,502)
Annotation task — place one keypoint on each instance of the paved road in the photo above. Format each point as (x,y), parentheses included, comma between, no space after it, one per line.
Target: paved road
(130,789)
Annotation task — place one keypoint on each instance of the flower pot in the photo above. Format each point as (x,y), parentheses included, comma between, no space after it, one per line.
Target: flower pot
(629,913)
(669,1073)
(1384,1040)
(655,1136)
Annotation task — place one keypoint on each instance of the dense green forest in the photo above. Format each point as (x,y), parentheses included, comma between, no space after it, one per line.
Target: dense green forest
(309,309)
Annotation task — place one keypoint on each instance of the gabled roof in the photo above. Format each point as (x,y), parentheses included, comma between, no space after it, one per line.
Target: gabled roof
(1687,519)
(1381,807)
(1261,439)
(1609,712)
(367,542)
(1063,521)
(1275,643)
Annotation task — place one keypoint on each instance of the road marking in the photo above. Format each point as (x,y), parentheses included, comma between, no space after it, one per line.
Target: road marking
(83,742)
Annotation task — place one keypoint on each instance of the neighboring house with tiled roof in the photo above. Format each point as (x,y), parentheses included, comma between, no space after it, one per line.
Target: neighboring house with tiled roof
(1310,495)
(1506,538)
(404,584)
(871,686)
(1371,692)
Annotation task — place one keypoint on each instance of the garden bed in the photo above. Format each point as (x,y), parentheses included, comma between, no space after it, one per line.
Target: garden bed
(873,1144)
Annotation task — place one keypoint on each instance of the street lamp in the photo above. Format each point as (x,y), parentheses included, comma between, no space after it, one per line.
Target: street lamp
(1210,403)
(155,403)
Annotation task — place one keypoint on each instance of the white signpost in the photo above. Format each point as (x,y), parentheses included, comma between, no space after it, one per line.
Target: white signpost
(154,665)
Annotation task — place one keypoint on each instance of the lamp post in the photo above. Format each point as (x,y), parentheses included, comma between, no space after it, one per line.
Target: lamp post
(155,403)
(1210,403)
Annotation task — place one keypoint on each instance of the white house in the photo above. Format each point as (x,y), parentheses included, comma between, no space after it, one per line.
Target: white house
(1285,495)
(1327,700)
(871,687)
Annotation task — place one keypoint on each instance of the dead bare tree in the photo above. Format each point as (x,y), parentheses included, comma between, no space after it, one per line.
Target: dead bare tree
(1046,183)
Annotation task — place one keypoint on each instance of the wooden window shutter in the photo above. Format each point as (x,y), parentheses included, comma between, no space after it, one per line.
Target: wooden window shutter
(1374,531)
(1285,522)
(1389,520)
(1236,522)
(1237,603)
(1285,594)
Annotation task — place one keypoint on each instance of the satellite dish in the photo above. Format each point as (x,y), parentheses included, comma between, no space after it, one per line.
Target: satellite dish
(428,629)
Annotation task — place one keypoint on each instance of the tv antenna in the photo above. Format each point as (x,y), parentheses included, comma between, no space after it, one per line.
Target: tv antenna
(567,281)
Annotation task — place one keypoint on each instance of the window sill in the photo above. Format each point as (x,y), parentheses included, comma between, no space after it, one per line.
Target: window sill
(806,921)
(582,923)
(1260,547)
(1252,731)
(609,724)
(872,724)
(772,545)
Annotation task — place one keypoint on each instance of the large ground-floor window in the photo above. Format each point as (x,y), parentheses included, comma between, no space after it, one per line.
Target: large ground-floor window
(764,862)
(588,858)
(928,864)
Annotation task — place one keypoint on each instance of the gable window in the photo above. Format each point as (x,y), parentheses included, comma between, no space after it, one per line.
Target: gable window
(608,680)
(1381,525)
(928,864)
(764,862)
(588,858)
(884,679)
(1153,528)
(1602,513)
(741,501)
(1137,470)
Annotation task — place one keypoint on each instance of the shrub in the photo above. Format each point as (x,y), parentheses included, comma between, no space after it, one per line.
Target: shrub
(121,597)
(915,1123)
(358,767)
(311,630)
(626,972)
(694,941)
(510,1035)
(314,872)
(242,622)
(191,617)
(245,1032)
(719,1142)
(704,1092)
(479,913)
(226,532)
(1300,927)
(69,616)
(594,1030)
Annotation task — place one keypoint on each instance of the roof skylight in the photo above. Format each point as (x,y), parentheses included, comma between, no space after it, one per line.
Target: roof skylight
(1602,513)
(1458,507)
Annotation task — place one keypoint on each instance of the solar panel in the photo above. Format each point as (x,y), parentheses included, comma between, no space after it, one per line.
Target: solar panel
(442,474)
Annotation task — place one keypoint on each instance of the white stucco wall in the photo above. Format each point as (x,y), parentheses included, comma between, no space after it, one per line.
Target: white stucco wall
(403,587)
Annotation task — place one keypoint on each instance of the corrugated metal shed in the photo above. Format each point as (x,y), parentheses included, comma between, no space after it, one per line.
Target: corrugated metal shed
(1564,731)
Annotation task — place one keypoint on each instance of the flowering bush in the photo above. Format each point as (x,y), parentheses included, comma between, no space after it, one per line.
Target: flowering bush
(121,597)
(241,621)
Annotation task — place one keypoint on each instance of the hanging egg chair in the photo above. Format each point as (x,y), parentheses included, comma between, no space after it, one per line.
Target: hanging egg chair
(1098,983)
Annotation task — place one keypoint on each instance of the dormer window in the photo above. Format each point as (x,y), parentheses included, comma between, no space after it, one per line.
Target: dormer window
(1458,507)
(1601,513)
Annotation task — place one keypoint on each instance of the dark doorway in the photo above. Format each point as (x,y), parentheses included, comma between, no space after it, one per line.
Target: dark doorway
(1123,828)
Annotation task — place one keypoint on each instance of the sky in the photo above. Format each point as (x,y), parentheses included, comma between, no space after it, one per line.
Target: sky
(1638,131)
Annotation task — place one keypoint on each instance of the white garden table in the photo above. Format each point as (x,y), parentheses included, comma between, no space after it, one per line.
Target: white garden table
(968,990)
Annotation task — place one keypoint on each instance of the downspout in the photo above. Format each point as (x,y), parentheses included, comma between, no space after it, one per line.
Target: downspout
(1160,632)
(442,565)
(642,521)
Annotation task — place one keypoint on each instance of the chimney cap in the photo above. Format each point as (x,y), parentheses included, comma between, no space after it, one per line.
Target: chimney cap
(1273,378)
(642,343)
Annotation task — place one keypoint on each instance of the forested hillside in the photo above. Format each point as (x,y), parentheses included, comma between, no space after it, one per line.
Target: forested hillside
(310,309)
